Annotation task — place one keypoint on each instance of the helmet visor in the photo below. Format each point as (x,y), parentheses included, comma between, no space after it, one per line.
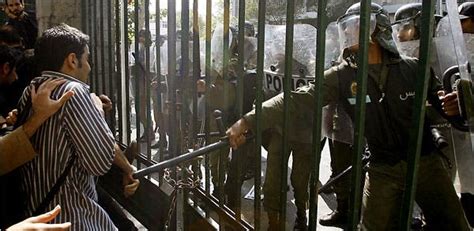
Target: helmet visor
(349,29)
(405,31)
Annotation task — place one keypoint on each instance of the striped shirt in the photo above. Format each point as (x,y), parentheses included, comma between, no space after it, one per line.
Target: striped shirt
(76,129)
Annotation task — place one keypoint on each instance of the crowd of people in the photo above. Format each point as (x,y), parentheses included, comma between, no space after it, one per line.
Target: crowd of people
(58,142)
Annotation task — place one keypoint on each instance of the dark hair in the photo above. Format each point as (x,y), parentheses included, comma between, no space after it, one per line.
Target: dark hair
(56,44)
(145,34)
(10,56)
(9,35)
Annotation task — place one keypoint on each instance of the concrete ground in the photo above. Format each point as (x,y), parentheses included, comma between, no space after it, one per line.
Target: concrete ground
(326,203)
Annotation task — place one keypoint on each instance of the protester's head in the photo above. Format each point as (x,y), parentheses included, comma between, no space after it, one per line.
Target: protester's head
(10,37)
(162,40)
(380,28)
(249,29)
(15,8)
(144,37)
(466,14)
(63,49)
(8,61)
(407,22)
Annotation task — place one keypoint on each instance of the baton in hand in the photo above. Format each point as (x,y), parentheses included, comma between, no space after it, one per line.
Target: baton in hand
(224,142)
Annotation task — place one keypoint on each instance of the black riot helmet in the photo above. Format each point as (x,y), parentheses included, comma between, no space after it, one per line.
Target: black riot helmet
(380,27)
(407,22)
(407,12)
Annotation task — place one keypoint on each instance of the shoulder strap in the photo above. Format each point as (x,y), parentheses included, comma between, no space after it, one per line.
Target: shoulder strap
(55,189)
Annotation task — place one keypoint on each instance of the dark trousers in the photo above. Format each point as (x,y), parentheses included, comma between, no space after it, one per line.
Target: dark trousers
(435,194)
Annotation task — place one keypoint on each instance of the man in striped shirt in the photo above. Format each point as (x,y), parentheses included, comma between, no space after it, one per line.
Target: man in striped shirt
(77,129)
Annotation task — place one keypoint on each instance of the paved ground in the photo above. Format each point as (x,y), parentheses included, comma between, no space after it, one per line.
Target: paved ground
(325,203)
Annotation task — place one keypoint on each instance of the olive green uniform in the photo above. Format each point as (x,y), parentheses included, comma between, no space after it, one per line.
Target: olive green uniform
(388,115)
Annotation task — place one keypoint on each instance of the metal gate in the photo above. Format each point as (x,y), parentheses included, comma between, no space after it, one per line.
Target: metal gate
(154,86)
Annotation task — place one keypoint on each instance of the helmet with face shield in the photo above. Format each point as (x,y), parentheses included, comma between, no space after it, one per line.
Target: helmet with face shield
(380,29)
(349,30)
(407,20)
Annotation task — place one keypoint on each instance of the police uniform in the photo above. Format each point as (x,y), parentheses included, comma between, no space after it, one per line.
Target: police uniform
(387,132)
(217,101)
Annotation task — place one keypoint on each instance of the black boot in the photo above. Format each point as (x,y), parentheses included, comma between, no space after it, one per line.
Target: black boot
(338,217)
(335,218)
(301,221)
(467,202)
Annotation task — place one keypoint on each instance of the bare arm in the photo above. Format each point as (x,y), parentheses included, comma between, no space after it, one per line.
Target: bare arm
(130,184)
(121,161)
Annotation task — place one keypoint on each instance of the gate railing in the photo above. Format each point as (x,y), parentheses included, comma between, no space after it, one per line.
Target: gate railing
(113,24)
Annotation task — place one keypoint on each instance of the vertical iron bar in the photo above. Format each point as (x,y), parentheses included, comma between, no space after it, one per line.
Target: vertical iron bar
(185,79)
(158,98)
(137,76)
(149,124)
(290,10)
(239,104)
(111,74)
(173,122)
(416,137)
(359,130)
(84,16)
(159,90)
(319,79)
(225,75)
(118,76)
(258,111)
(172,75)
(196,76)
(95,55)
(196,70)
(89,27)
(102,80)
(127,69)
(208,80)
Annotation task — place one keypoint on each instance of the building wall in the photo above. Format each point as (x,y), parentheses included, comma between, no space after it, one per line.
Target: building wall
(53,12)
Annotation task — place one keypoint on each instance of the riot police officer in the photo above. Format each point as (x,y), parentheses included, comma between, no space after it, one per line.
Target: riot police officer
(222,95)
(407,20)
(406,29)
(466,14)
(389,115)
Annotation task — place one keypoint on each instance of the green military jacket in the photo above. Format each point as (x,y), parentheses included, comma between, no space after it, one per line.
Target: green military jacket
(388,110)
